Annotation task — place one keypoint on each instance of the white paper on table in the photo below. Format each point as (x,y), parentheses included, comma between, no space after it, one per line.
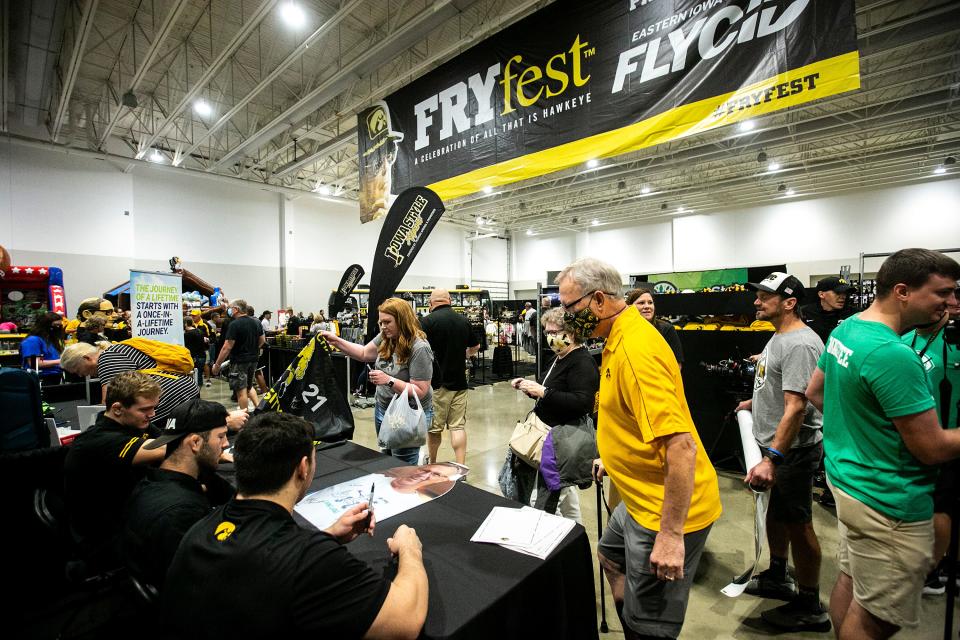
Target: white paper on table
(504,525)
(551,530)
(323,508)
(751,457)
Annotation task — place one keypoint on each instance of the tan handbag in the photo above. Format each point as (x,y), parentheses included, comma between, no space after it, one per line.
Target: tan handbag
(527,439)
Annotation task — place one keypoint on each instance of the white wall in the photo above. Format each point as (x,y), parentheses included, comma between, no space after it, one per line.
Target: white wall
(812,237)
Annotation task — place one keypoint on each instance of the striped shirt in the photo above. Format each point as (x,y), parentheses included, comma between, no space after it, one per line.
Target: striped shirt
(119,358)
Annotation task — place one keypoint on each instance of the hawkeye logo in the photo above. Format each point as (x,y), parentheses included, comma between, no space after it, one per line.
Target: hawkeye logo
(224,530)
(377,123)
(523,85)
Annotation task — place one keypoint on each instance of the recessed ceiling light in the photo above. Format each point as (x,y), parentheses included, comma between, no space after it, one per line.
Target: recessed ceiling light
(202,108)
(645,190)
(488,189)
(595,222)
(746,125)
(592,163)
(292,14)
(323,190)
(939,170)
(773,166)
(156,156)
(790,192)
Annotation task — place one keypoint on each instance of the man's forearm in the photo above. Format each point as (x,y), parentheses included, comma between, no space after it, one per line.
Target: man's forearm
(679,466)
(788,429)
(224,352)
(411,580)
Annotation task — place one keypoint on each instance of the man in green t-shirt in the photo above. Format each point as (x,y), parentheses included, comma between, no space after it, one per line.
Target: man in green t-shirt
(881,437)
(941,361)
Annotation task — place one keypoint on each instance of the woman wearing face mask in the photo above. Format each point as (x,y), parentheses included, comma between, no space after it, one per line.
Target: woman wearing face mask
(642,299)
(564,395)
(404,361)
(40,351)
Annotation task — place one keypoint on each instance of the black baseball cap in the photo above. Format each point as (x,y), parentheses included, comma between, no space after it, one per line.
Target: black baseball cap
(780,283)
(833,283)
(193,416)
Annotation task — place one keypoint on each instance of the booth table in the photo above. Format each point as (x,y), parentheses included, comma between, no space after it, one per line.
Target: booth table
(477,591)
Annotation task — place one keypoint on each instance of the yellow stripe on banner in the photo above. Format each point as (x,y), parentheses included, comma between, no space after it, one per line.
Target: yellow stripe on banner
(126,448)
(830,77)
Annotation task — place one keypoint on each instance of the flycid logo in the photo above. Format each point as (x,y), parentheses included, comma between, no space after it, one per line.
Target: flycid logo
(523,85)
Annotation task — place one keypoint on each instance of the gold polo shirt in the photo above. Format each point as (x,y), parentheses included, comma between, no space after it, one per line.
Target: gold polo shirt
(641,400)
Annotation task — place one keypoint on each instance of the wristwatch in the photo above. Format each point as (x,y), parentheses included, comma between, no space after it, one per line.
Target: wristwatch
(390,383)
(773,455)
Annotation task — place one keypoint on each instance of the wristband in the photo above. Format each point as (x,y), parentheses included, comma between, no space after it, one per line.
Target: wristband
(775,456)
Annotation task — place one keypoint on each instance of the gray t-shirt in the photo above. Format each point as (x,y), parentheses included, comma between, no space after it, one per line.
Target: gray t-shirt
(419,367)
(786,364)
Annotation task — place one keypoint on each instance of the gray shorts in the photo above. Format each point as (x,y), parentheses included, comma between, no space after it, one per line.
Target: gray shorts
(650,606)
(240,375)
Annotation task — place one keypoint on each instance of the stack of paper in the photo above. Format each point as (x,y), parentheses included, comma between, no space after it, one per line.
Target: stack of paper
(527,530)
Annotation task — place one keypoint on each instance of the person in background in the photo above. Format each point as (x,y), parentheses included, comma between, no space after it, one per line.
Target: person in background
(266,319)
(293,323)
(566,394)
(248,570)
(213,326)
(171,499)
(241,346)
(320,323)
(788,430)
(91,331)
(829,310)
(207,333)
(650,447)
(882,441)
(404,361)
(941,361)
(40,350)
(194,342)
(642,298)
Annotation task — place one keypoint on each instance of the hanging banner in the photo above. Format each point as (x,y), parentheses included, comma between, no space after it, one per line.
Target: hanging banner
(412,217)
(156,309)
(581,80)
(349,281)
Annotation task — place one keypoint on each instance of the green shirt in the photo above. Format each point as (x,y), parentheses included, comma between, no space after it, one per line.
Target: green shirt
(941,361)
(871,377)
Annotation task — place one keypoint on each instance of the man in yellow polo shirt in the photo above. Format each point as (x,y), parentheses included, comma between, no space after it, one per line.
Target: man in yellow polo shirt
(650,448)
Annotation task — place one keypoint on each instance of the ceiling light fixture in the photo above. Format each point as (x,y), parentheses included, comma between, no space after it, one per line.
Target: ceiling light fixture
(762,156)
(595,222)
(791,192)
(156,156)
(202,108)
(488,189)
(323,190)
(292,14)
(591,163)
(480,220)
(129,99)
(746,125)
(645,190)
(939,170)
(773,166)
(529,232)
(681,209)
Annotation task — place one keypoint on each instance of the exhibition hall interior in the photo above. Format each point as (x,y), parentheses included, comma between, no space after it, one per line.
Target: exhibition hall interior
(460,319)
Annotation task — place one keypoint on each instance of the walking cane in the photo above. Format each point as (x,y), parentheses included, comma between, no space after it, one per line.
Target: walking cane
(603,602)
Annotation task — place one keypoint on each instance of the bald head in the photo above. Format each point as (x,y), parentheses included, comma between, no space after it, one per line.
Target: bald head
(438,298)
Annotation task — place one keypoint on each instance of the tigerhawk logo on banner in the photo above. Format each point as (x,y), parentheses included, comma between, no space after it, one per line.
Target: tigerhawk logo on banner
(580,80)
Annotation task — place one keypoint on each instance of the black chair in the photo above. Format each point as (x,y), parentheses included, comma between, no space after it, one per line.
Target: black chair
(22,427)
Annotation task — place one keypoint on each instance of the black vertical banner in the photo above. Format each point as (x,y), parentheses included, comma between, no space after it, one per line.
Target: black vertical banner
(351,277)
(410,220)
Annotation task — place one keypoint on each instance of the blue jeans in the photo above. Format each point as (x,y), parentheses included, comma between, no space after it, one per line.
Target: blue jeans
(410,455)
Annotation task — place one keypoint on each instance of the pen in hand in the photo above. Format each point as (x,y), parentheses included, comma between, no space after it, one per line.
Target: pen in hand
(369,518)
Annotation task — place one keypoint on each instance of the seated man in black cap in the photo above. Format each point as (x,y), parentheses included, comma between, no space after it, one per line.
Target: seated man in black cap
(248,570)
(171,499)
(825,314)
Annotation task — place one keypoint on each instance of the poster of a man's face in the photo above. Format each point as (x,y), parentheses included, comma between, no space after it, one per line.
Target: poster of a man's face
(432,480)
(378,151)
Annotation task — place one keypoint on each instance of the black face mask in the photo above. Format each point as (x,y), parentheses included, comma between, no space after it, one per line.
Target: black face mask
(583,322)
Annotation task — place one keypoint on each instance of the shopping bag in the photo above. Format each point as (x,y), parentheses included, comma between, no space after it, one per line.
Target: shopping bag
(403,425)
(527,439)
(568,454)
(507,479)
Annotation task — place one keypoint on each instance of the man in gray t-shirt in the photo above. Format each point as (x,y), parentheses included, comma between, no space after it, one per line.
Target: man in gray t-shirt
(788,429)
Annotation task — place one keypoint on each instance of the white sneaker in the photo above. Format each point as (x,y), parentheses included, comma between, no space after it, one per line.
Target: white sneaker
(208,384)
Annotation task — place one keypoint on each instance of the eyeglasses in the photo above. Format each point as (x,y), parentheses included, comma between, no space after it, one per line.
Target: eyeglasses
(566,307)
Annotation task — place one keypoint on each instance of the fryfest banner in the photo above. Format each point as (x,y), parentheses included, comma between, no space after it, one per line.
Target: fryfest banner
(587,79)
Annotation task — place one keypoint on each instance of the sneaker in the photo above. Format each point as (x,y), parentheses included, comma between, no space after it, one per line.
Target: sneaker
(764,585)
(933,586)
(208,384)
(826,498)
(795,616)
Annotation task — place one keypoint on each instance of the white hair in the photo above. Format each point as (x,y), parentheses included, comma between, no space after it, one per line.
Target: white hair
(592,275)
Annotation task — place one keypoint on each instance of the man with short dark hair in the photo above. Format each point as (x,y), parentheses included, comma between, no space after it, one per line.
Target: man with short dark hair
(882,440)
(242,344)
(829,310)
(106,461)
(451,338)
(249,570)
(171,499)
(788,429)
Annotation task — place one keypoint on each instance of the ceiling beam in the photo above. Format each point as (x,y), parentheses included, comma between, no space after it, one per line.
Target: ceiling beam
(159,38)
(326,148)
(73,67)
(238,39)
(4,61)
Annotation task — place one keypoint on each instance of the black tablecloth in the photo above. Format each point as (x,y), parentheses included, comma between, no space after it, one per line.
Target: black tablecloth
(477,590)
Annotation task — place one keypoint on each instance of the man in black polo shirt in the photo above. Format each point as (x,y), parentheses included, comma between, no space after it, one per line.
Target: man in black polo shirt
(825,314)
(105,462)
(242,345)
(171,499)
(248,570)
(451,338)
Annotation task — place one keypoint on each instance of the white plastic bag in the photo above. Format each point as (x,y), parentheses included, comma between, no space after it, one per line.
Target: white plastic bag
(403,426)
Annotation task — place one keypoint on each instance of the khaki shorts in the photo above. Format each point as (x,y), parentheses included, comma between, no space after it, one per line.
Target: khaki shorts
(887,559)
(449,410)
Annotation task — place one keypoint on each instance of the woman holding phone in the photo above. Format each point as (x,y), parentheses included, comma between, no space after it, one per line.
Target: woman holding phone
(403,360)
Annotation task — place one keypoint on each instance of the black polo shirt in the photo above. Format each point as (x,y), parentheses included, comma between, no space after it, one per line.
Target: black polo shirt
(449,335)
(98,477)
(245,333)
(823,322)
(162,507)
(264,576)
